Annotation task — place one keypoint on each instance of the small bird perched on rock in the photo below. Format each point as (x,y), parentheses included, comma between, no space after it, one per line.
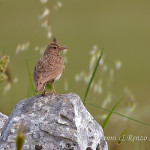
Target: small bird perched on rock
(50,67)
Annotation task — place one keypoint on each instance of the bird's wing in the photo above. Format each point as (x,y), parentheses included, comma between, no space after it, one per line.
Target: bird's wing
(38,70)
(49,67)
(53,71)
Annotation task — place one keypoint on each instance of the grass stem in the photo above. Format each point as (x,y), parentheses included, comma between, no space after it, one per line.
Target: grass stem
(30,78)
(110,113)
(92,77)
(138,121)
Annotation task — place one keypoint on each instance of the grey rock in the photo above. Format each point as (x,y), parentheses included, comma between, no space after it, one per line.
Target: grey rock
(59,122)
(3,119)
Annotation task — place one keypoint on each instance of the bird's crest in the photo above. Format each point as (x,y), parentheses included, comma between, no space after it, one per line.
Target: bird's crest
(54,39)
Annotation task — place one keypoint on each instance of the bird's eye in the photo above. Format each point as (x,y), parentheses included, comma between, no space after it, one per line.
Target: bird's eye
(55,47)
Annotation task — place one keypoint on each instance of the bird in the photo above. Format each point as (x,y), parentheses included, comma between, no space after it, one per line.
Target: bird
(49,67)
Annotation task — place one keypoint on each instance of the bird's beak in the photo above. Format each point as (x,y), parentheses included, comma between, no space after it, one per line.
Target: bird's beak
(62,48)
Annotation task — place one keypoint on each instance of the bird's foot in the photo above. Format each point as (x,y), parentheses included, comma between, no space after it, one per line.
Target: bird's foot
(54,93)
(45,93)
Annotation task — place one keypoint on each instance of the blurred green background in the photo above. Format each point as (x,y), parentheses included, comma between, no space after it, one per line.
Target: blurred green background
(122,28)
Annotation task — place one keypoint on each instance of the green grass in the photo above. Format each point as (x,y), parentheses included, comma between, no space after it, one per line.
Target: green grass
(92,77)
(110,113)
(121,115)
(30,78)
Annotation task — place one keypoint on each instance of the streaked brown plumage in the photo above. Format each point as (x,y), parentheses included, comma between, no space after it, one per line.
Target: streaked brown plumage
(50,67)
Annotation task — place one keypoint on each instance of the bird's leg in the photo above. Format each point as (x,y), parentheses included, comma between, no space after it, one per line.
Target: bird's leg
(54,92)
(45,93)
